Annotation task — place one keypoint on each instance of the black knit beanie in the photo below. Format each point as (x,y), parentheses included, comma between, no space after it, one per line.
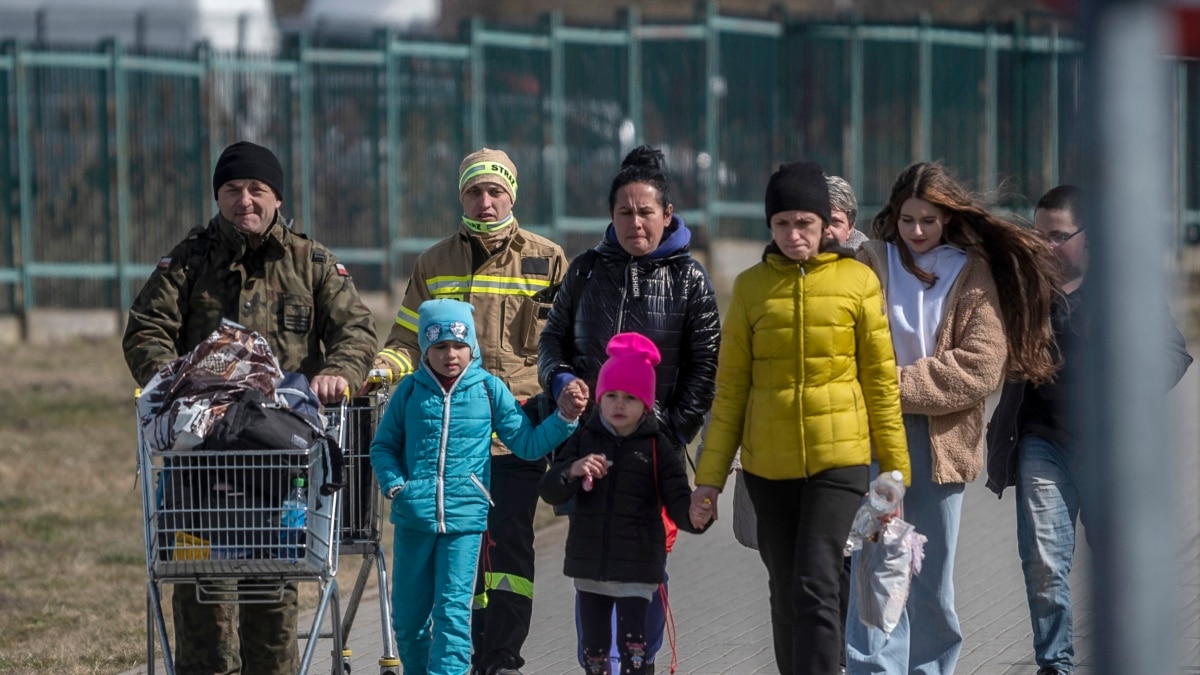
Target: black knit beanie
(799,186)
(247,160)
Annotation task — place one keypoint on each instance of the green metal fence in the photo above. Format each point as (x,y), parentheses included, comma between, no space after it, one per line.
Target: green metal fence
(106,156)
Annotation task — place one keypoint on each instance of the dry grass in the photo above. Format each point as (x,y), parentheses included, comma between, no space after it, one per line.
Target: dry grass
(72,559)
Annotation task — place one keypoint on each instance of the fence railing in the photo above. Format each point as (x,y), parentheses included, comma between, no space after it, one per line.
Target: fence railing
(106,155)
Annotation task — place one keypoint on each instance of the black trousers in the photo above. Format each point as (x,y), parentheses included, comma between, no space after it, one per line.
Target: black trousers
(500,624)
(595,622)
(802,530)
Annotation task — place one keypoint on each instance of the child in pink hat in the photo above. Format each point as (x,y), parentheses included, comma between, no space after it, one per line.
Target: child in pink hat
(622,471)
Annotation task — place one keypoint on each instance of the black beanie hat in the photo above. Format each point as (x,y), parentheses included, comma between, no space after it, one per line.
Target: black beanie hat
(799,186)
(247,160)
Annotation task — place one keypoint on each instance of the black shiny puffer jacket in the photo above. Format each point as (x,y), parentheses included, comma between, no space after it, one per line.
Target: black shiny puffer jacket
(666,296)
(616,528)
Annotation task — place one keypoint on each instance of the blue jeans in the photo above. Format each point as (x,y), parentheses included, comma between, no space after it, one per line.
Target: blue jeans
(1048,497)
(928,638)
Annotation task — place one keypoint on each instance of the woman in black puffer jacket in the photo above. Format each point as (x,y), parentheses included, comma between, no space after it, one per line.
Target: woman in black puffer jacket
(639,278)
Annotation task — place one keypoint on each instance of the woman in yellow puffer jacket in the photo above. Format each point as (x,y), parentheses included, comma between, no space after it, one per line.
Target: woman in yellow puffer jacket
(806,383)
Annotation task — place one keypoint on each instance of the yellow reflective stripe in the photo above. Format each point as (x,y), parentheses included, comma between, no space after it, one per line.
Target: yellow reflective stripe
(400,366)
(503,581)
(407,318)
(446,285)
(460,294)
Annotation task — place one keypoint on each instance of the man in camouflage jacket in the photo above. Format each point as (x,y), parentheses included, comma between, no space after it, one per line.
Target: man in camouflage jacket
(248,266)
(509,275)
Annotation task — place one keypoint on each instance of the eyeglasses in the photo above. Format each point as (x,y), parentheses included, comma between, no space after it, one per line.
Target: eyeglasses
(1058,238)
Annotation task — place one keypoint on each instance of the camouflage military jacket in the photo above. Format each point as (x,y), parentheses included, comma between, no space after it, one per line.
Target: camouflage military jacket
(291,290)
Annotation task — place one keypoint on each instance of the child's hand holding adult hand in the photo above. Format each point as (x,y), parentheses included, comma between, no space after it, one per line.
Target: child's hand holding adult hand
(572,401)
(704,505)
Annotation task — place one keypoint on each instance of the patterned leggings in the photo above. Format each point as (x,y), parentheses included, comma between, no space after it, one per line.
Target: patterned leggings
(595,617)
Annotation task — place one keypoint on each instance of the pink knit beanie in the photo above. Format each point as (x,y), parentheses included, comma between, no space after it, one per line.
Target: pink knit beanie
(630,367)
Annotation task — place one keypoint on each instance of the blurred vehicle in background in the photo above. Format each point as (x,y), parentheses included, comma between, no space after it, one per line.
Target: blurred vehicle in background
(349,17)
(246,26)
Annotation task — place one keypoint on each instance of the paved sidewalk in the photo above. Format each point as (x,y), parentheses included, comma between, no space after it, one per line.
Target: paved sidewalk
(719,602)
(719,589)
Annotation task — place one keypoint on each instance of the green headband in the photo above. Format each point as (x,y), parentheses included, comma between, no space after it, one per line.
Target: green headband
(489,169)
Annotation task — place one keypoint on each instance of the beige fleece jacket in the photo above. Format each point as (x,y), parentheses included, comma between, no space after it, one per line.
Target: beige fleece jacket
(967,365)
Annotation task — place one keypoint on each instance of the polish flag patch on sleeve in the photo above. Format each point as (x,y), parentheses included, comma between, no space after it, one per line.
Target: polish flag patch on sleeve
(341,270)
(164,262)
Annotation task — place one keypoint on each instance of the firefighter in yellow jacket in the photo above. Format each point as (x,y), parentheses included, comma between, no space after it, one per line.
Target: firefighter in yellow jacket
(510,276)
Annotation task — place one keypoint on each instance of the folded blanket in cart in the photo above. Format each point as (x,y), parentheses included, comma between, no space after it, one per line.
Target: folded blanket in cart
(182,402)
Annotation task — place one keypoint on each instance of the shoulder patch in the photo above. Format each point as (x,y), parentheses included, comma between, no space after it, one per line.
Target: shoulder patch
(164,262)
(318,256)
(535,266)
(341,270)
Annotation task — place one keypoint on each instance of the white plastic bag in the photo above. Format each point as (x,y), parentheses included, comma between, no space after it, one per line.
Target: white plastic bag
(884,572)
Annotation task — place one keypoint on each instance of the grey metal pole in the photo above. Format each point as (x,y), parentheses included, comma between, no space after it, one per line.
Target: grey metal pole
(1124,413)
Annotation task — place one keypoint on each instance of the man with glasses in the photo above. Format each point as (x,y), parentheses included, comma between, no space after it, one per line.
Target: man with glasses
(1033,443)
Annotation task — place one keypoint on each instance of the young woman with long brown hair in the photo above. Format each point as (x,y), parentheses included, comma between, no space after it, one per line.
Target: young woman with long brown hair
(943,260)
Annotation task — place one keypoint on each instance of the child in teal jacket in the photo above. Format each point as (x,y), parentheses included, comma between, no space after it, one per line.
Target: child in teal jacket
(432,457)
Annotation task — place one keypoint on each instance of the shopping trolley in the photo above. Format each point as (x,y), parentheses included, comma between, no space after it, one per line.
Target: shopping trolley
(360,532)
(212,518)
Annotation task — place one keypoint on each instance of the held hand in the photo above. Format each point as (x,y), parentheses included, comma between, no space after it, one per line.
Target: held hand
(704,505)
(572,401)
(897,513)
(329,388)
(580,396)
(379,374)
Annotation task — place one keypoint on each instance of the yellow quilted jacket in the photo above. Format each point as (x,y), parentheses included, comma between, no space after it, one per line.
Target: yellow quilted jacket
(806,377)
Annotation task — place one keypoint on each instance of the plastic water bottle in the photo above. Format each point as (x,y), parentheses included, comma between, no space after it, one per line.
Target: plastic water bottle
(292,515)
(884,495)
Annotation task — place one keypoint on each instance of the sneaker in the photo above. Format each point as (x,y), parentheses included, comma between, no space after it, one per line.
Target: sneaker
(505,667)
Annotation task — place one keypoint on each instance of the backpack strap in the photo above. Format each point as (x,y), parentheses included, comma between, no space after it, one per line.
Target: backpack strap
(654,462)
(200,237)
(487,388)
(318,264)
(587,262)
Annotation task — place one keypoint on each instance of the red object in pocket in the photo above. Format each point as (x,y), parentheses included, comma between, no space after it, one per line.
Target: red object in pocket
(671,529)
